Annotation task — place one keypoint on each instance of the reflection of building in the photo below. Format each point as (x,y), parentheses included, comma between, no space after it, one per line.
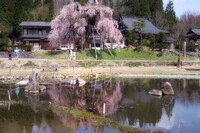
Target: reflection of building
(35,33)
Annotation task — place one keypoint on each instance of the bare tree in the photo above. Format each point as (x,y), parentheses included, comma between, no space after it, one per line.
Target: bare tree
(187,20)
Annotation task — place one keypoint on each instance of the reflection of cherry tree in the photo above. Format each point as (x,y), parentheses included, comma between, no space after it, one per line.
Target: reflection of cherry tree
(110,100)
(76,22)
(84,98)
(73,122)
(69,97)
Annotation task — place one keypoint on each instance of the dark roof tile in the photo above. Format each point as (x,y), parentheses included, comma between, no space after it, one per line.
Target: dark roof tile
(149,28)
(35,23)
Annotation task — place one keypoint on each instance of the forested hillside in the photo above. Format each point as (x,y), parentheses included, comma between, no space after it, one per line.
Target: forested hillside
(12,12)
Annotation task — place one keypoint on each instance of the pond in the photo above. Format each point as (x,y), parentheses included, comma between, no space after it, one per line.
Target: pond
(126,101)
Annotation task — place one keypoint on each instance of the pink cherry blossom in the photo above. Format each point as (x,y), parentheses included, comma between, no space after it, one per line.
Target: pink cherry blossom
(75,20)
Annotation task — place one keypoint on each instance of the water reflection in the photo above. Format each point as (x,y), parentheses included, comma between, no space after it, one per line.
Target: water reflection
(126,101)
(165,113)
(90,97)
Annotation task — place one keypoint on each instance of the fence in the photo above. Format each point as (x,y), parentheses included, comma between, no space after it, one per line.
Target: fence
(87,68)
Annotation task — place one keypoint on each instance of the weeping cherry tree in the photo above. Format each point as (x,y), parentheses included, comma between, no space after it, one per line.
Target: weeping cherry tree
(76,23)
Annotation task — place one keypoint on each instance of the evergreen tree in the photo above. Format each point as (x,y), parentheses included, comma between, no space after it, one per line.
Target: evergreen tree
(157,14)
(21,13)
(50,10)
(135,4)
(144,8)
(156,6)
(6,11)
(131,37)
(140,7)
(170,15)
(82,2)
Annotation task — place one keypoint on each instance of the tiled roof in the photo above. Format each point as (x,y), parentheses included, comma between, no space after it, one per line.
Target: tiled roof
(194,31)
(169,40)
(35,23)
(149,28)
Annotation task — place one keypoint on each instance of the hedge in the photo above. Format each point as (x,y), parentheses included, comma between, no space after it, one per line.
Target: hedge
(21,47)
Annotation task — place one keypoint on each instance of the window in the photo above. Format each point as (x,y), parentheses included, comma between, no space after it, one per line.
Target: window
(25,31)
(45,31)
(32,31)
(64,45)
(97,45)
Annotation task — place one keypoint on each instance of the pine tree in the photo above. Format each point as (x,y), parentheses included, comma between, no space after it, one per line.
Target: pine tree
(144,8)
(157,14)
(21,13)
(170,15)
(156,6)
(135,4)
(140,7)
(51,10)
(6,11)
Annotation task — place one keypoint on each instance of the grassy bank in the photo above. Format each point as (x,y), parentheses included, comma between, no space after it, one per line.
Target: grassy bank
(123,54)
(101,121)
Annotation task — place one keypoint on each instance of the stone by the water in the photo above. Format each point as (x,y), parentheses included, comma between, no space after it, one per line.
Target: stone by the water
(34,91)
(33,84)
(167,89)
(42,88)
(155,92)
(23,82)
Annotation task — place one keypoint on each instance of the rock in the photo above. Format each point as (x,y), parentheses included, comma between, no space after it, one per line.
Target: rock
(23,82)
(34,91)
(168,99)
(155,92)
(33,83)
(81,82)
(42,88)
(167,89)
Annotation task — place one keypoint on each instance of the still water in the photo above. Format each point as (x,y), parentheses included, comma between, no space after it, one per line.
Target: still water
(126,100)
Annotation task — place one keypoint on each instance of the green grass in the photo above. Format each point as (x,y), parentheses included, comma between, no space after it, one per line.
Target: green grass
(99,120)
(123,54)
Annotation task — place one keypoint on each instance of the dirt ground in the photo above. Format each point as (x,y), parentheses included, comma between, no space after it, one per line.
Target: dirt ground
(25,67)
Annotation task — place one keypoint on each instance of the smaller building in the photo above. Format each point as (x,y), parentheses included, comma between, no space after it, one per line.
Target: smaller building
(35,33)
(193,34)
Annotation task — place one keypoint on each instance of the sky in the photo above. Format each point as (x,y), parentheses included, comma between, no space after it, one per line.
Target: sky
(182,6)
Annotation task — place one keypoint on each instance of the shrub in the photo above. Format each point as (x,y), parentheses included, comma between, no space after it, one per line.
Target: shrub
(30,64)
(22,47)
(4,41)
(88,64)
(133,64)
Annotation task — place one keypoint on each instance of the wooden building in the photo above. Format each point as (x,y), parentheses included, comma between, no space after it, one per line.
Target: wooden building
(193,34)
(35,33)
(126,23)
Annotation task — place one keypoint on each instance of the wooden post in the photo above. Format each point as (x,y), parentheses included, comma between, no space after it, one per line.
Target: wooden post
(9,97)
(32,68)
(73,68)
(104,109)
(198,50)
(184,49)
(9,105)
(10,70)
(53,71)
